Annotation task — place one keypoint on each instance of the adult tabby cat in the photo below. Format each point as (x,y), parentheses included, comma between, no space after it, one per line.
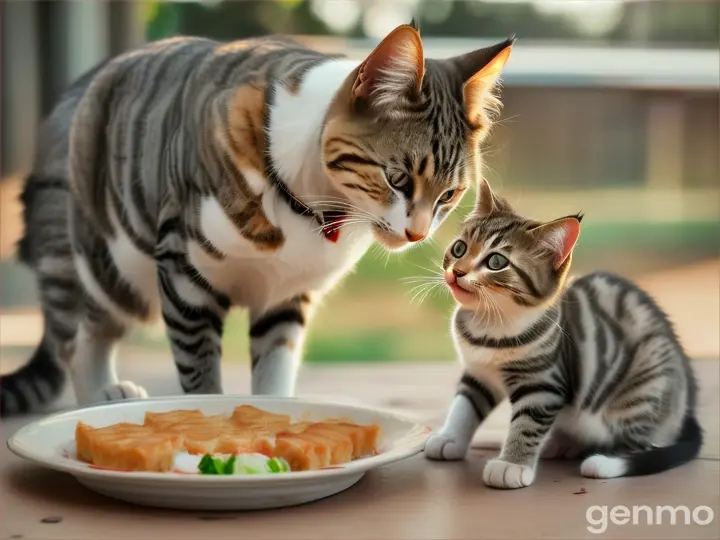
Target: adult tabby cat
(593,370)
(189,176)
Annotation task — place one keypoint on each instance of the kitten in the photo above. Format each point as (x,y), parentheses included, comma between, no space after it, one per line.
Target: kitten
(592,370)
(190,176)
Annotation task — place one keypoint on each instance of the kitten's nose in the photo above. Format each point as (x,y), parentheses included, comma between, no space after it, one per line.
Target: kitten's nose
(413,236)
(458,273)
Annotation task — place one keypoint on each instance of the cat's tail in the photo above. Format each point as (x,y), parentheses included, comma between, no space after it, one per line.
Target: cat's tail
(33,386)
(652,461)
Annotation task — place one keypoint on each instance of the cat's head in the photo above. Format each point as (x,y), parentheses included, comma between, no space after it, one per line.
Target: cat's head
(506,263)
(402,137)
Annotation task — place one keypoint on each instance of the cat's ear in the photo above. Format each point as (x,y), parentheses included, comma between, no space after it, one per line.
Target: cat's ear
(393,73)
(480,70)
(485,200)
(559,237)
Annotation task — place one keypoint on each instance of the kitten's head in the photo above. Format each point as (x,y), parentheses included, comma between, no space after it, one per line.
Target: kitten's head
(505,263)
(401,138)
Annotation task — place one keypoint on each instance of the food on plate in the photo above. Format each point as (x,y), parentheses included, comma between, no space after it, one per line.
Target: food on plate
(128,447)
(242,464)
(250,441)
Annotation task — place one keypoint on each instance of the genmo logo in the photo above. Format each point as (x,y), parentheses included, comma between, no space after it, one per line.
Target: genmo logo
(599,518)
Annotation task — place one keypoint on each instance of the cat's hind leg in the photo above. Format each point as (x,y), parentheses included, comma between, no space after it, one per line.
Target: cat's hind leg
(473,402)
(276,340)
(92,360)
(41,381)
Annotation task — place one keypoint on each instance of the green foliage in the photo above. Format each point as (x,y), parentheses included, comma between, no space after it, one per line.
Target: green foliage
(162,19)
(355,346)
(688,21)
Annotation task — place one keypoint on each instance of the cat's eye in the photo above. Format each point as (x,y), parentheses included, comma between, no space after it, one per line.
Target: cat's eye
(496,262)
(400,181)
(458,249)
(447,196)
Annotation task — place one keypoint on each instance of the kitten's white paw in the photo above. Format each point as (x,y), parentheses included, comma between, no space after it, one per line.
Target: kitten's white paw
(503,475)
(122,390)
(599,466)
(443,447)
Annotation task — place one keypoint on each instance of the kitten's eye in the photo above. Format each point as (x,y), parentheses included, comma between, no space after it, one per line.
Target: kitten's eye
(447,196)
(400,181)
(496,262)
(458,249)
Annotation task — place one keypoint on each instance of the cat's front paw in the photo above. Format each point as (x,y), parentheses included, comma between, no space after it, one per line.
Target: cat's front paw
(503,475)
(114,392)
(443,447)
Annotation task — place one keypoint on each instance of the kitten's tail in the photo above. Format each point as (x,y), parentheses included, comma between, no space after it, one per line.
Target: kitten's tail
(34,385)
(653,461)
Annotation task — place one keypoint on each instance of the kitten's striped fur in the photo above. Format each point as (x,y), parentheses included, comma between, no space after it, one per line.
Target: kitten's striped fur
(189,176)
(592,370)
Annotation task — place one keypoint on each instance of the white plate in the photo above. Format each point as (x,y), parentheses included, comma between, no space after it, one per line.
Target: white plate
(51,443)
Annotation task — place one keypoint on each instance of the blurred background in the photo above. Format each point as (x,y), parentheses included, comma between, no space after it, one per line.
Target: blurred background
(611,107)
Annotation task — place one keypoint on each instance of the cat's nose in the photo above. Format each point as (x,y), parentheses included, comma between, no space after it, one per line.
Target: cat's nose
(458,273)
(413,236)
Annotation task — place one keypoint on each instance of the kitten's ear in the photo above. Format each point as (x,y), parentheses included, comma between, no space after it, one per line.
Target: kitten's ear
(480,70)
(485,200)
(393,73)
(560,237)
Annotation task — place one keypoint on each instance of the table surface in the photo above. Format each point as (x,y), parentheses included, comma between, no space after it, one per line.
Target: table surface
(412,499)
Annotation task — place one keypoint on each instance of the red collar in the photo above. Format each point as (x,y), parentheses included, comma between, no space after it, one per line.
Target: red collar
(332,222)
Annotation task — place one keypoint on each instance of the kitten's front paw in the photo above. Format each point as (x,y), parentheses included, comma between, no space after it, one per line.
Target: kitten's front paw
(443,447)
(503,475)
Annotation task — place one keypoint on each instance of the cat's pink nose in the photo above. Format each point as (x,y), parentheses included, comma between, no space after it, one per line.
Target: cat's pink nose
(413,236)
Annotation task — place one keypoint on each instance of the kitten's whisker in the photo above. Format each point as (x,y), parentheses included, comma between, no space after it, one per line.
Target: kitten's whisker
(421,267)
(430,290)
(419,289)
(423,279)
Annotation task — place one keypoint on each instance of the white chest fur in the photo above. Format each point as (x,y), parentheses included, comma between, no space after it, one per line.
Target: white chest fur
(307,261)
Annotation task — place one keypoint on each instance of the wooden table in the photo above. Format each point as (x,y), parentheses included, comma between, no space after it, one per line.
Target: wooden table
(413,499)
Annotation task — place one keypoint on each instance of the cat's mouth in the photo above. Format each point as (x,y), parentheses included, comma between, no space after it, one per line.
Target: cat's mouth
(388,238)
(462,294)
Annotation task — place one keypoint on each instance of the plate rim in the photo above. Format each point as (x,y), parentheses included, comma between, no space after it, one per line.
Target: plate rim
(77,469)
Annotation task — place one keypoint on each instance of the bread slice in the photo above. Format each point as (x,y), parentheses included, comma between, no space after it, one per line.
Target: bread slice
(364,438)
(127,447)
(310,446)
(172,418)
(249,416)
(301,453)
(201,435)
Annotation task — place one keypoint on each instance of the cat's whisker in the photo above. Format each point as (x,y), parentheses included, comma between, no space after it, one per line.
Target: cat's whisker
(422,279)
(343,205)
(418,291)
(430,291)
(337,226)
(421,267)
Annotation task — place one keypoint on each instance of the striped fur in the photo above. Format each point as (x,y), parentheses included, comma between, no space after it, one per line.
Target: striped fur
(593,370)
(167,185)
